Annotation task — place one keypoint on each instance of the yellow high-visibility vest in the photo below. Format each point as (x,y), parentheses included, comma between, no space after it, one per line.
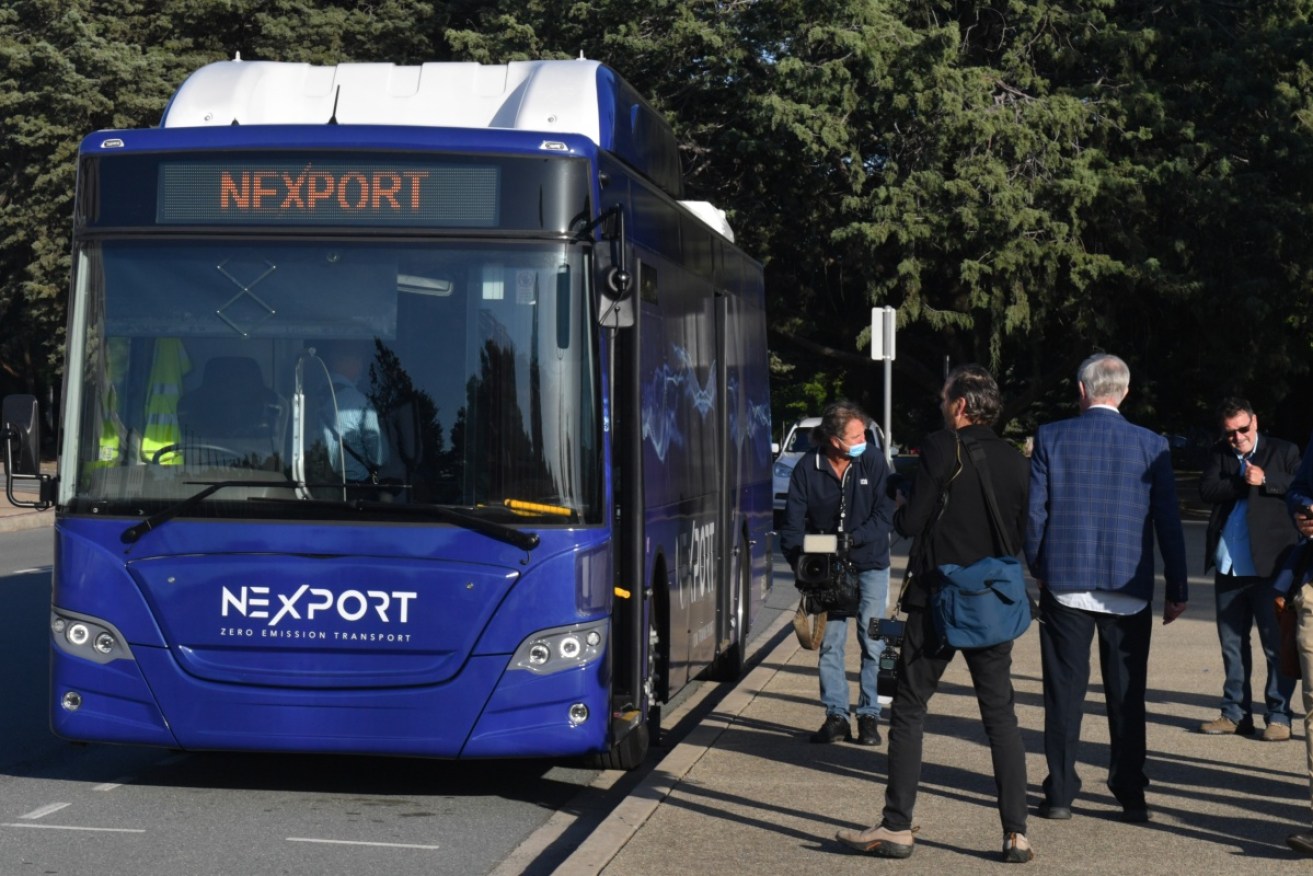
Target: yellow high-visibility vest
(167,368)
(112,431)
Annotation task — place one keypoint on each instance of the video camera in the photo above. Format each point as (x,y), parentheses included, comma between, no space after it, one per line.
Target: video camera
(825,575)
(823,558)
(889,631)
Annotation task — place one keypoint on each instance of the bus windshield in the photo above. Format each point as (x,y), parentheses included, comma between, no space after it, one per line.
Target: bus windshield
(358,374)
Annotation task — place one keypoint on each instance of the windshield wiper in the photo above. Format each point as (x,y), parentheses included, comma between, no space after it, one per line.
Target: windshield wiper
(516,537)
(134,533)
(526,541)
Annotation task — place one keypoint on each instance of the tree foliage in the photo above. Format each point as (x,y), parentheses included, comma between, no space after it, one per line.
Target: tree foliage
(1027,181)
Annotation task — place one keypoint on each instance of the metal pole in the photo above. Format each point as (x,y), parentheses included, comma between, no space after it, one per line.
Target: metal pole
(888,411)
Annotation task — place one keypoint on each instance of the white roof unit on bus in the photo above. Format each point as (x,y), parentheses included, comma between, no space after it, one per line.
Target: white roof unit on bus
(712,216)
(551,97)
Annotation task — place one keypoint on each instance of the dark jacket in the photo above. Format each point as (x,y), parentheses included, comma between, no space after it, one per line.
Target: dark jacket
(1271,531)
(963,534)
(813,507)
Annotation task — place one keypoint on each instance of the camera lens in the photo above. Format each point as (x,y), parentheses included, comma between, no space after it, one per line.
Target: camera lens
(814,568)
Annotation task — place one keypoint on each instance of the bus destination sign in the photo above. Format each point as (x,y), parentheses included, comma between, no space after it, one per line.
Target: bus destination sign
(334,192)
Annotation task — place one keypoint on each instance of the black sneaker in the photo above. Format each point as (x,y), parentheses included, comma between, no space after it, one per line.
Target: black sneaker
(834,729)
(868,730)
(1301,842)
(1053,813)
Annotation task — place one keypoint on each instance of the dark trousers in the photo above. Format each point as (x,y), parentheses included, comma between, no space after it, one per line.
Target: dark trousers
(1065,637)
(918,678)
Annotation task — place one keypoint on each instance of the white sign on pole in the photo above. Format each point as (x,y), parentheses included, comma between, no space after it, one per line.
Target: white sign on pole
(884,325)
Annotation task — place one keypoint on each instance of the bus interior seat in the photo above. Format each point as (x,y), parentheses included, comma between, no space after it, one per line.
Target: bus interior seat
(233,403)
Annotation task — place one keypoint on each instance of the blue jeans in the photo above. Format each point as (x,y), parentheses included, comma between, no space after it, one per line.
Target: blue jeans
(1242,603)
(834,677)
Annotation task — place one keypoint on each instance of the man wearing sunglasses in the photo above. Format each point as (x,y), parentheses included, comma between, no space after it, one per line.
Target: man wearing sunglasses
(1249,533)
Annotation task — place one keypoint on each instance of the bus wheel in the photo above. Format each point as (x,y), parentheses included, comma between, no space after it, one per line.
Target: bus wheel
(627,754)
(729,665)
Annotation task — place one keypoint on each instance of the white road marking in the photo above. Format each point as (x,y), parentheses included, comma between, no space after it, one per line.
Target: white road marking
(302,839)
(71,827)
(44,811)
(110,786)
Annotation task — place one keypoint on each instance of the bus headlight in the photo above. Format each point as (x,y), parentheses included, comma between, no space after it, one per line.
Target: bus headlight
(87,637)
(561,648)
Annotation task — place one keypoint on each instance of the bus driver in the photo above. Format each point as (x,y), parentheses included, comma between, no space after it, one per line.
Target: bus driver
(350,421)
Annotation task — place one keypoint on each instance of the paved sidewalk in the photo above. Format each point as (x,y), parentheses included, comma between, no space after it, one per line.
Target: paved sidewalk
(14,518)
(747,793)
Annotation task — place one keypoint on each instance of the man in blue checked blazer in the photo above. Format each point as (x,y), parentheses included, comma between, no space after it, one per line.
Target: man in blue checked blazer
(1100,489)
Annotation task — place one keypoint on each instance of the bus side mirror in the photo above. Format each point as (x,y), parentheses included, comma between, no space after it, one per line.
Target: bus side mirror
(616,304)
(20,429)
(20,433)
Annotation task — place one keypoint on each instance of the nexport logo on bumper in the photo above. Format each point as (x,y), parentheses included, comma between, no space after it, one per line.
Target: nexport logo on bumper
(281,613)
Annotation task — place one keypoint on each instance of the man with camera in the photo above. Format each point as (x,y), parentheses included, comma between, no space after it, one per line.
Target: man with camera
(1294,596)
(839,488)
(949,517)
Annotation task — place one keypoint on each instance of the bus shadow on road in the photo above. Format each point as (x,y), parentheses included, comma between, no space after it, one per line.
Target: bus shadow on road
(25,654)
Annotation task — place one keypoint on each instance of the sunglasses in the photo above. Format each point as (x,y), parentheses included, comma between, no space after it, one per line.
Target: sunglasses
(1243,430)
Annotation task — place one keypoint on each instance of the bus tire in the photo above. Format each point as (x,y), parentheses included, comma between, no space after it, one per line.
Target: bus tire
(728,666)
(627,754)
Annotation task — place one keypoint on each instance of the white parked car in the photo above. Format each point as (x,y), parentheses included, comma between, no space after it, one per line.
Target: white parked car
(796,443)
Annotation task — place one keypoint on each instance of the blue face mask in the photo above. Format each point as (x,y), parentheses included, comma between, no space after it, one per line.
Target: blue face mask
(857,450)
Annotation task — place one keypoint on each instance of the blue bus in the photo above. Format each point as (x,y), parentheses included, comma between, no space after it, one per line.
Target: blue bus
(407,411)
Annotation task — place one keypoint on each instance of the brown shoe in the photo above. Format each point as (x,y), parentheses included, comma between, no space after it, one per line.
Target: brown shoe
(1223,726)
(1276,733)
(1016,849)
(879,840)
